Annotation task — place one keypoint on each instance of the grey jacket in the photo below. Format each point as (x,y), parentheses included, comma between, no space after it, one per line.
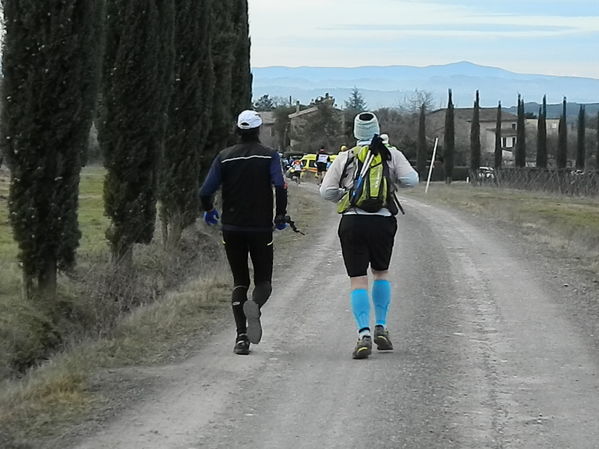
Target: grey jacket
(333,187)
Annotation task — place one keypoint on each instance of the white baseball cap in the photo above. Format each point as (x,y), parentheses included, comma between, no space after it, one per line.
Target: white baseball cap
(248,120)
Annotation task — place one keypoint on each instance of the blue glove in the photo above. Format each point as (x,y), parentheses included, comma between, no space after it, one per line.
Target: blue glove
(211,217)
(280,222)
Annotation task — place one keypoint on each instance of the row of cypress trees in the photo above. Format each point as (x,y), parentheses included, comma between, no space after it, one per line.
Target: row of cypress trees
(520,150)
(167,78)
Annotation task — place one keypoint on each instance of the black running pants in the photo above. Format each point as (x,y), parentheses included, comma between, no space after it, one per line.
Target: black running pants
(259,247)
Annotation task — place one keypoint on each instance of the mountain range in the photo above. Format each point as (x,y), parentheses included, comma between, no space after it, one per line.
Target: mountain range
(390,86)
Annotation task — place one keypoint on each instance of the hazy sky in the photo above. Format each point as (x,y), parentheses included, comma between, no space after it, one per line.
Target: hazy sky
(527,36)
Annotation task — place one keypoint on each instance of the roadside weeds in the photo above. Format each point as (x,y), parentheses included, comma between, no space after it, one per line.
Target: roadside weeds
(566,224)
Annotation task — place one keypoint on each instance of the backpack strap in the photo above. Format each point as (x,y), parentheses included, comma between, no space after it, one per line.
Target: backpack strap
(350,156)
(393,205)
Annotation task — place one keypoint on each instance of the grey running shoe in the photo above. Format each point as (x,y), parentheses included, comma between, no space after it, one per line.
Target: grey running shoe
(381,338)
(242,345)
(252,313)
(363,347)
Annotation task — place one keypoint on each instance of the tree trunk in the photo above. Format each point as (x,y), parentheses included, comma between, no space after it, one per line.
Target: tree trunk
(122,255)
(163,224)
(46,283)
(175,230)
(27,291)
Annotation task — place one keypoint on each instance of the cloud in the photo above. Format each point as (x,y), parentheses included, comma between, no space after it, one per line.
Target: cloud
(379,32)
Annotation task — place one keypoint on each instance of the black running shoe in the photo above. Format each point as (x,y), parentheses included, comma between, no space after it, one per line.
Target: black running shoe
(363,347)
(242,345)
(381,338)
(252,313)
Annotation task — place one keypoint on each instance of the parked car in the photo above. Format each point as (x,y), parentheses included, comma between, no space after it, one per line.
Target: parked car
(486,173)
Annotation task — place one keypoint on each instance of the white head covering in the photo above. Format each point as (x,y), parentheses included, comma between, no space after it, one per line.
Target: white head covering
(366,126)
(248,120)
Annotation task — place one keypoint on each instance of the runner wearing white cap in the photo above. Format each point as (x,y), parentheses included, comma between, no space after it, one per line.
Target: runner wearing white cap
(247,220)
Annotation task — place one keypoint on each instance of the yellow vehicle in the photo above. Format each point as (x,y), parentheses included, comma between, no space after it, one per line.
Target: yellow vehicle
(309,161)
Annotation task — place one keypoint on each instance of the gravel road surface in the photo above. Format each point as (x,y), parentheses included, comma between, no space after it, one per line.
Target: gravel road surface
(493,350)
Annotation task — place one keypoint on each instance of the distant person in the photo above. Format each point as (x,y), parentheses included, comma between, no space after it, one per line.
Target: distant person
(247,222)
(322,162)
(368,225)
(295,170)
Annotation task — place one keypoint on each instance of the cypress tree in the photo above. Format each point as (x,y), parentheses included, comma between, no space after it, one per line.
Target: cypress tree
(137,86)
(542,135)
(188,121)
(562,146)
(449,140)
(223,44)
(520,157)
(475,135)
(421,151)
(498,147)
(581,142)
(241,89)
(50,64)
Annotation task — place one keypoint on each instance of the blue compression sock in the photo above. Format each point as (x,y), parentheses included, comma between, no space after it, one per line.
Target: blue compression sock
(361,307)
(381,297)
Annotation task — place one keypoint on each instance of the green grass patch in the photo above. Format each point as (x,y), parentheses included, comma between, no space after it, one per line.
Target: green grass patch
(8,248)
(92,222)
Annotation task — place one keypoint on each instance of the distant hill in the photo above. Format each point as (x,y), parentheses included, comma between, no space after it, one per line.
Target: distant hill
(389,86)
(555,110)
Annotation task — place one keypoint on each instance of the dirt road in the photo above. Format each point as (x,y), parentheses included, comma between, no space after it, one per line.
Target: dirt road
(492,351)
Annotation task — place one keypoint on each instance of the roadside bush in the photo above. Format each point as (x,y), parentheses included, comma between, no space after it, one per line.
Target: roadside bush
(27,336)
(94,298)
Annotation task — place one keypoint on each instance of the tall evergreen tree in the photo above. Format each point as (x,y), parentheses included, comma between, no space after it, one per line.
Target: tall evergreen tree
(264,103)
(223,46)
(50,63)
(562,145)
(241,88)
(282,125)
(353,106)
(355,102)
(421,151)
(475,135)
(137,87)
(322,128)
(520,157)
(449,140)
(188,121)
(581,142)
(498,146)
(542,135)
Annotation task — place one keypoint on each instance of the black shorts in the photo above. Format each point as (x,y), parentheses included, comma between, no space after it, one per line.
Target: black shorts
(366,240)
(321,166)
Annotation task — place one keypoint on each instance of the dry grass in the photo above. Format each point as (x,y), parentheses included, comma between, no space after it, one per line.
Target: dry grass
(564,223)
(60,392)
